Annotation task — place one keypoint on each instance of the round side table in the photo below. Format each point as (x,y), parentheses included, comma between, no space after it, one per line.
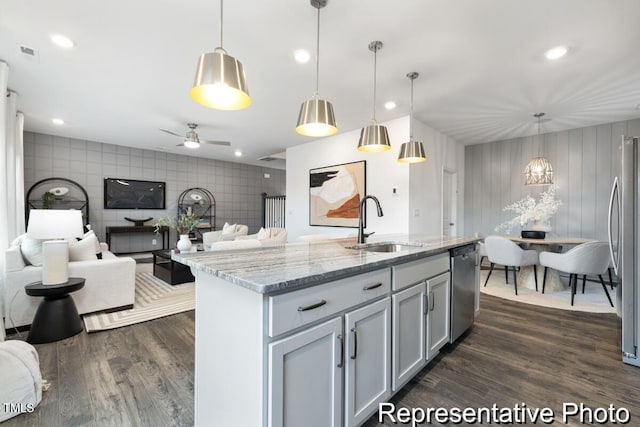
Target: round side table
(57,316)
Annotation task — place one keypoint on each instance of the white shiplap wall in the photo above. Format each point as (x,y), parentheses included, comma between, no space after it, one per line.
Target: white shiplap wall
(585,162)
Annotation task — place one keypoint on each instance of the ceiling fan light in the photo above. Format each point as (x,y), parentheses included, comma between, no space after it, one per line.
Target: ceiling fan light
(412,152)
(374,138)
(316,118)
(189,143)
(538,172)
(220,82)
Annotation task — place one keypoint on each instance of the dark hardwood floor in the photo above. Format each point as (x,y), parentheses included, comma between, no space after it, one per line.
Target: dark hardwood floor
(516,353)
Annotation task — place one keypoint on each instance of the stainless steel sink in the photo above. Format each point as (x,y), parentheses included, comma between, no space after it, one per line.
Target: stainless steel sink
(385,247)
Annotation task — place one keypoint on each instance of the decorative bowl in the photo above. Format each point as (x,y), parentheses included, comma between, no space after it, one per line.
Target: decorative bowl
(533,234)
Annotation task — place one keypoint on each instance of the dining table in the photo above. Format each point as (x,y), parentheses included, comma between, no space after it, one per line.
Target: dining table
(526,276)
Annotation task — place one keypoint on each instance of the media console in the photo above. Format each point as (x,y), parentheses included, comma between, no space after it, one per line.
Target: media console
(121,229)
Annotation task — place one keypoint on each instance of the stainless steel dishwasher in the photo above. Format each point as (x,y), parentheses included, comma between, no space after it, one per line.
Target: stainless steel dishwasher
(463,289)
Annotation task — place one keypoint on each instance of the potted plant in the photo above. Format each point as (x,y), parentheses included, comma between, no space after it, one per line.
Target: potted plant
(533,213)
(47,199)
(183,224)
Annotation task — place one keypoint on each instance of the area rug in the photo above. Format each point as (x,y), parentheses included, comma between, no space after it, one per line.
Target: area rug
(154,298)
(593,300)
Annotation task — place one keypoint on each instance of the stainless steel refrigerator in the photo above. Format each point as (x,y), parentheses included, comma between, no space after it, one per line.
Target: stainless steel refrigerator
(624,244)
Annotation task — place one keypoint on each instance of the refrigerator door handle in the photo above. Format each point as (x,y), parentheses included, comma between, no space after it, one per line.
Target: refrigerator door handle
(615,189)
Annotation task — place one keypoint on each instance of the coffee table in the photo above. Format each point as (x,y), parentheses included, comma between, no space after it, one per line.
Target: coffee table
(169,270)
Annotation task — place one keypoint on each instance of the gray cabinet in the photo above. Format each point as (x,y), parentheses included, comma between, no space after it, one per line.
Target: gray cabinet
(305,377)
(409,308)
(368,360)
(438,313)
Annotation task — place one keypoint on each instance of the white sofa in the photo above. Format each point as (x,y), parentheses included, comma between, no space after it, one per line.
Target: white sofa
(268,236)
(228,233)
(109,283)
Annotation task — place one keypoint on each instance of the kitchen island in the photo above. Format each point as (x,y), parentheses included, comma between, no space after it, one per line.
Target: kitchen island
(316,334)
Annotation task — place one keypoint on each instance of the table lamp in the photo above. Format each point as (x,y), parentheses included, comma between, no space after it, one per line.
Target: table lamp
(45,224)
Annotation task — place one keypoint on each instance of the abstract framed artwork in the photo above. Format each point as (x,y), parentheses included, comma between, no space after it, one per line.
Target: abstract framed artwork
(335,193)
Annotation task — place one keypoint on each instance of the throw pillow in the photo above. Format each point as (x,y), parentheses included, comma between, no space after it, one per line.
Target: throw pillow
(98,247)
(18,240)
(228,229)
(83,250)
(32,251)
(264,234)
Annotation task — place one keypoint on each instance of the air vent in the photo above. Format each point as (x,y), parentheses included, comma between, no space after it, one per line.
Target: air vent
(277,156)
(29,53)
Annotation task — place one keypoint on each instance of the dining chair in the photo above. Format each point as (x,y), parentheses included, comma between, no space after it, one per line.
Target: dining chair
(503,251)
(587,259)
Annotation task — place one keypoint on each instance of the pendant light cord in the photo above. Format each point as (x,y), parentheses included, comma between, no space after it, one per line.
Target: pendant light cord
(221,21)
(375,67)
(318,54)
(411,114)
(539,117)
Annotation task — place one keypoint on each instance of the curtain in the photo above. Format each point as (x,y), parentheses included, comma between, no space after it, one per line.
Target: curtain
(11,175)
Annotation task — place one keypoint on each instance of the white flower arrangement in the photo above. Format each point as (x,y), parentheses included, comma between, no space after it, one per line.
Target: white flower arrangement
(530,210)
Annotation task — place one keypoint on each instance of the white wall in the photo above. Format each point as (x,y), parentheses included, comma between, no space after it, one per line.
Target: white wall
(585,161)
(419,185)
(442,152)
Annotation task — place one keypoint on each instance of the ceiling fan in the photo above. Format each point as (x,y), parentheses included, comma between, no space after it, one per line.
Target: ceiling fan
(191,139)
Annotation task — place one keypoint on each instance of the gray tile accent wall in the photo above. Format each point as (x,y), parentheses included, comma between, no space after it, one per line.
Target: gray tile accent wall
(236,187)
(585,162)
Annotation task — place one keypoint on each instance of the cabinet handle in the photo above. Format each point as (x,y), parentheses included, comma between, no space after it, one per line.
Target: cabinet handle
(312,306)
(368,288)
(425,301)
(355,343)
(433,301)
(341,363)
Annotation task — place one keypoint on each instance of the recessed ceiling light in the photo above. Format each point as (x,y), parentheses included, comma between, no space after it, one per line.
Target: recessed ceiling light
(301,56)
(62,41)
(556,52)
(238,153)
(58,122)
(390,105)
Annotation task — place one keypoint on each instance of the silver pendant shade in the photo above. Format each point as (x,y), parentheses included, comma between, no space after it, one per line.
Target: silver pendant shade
(220,82)
(375,137)
(316,117)
(412,151)
(539,170)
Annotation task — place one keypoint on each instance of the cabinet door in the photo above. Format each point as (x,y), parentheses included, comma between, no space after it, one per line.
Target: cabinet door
(438,291)
(368,360)
(305,377)
(409,309)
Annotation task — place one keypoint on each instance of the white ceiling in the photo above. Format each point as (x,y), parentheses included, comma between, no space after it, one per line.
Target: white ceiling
(482,70)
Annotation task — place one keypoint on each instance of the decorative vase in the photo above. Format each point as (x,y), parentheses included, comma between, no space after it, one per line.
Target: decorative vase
(184,244)
(541,225)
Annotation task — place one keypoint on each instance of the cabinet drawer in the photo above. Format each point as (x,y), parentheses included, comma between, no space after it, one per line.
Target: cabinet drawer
(294,309)
(412,272)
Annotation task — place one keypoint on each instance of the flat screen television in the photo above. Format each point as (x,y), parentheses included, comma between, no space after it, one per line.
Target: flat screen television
(133,194)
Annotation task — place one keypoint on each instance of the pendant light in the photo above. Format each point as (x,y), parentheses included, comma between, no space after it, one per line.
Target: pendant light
(412,151)
(538,171)
(374,137)
(316,116)
(220,82)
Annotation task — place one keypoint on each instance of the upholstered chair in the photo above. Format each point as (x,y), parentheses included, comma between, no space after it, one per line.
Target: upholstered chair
(587,259)
(503,251)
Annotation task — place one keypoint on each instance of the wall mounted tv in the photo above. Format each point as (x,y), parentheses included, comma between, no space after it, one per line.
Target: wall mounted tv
(122,193)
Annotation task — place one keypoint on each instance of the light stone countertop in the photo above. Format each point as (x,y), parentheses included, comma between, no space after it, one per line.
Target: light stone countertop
(292,266)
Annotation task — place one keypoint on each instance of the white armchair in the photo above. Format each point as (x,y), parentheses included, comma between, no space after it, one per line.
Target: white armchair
(587,259)
(503,251)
